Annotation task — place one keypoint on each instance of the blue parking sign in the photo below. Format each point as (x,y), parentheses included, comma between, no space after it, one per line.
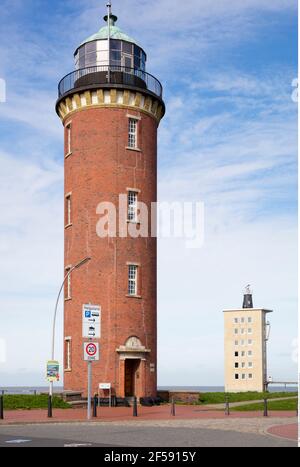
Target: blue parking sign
(88,314)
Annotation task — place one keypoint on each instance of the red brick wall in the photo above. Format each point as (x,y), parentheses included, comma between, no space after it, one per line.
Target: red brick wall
(99,169)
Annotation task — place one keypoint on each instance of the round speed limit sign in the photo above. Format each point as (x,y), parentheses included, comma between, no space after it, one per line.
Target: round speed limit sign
(91,351)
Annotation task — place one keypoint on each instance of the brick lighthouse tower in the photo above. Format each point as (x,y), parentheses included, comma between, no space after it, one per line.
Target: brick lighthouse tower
(110,109)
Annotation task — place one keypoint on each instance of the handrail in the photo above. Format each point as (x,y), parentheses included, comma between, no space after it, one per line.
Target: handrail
(118,75)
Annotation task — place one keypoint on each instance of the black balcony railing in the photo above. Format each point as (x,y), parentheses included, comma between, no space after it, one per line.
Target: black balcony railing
(106,75)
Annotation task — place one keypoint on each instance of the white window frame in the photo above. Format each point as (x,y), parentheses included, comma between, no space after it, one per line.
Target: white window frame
(68,354)
(133,280)
(68,210)
(68,289)
(133,133)
(69,138)
(132,208)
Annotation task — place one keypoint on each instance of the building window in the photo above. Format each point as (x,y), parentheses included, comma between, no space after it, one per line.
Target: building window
(243,342)
(68,285)
(68,353)
(249,330)
(242,331)
(242,320)
(132,280)
(236,331)
(132,206)
(243,365)
(237,376)
(249,320)
(236,354)
(68,210)
(250,342)
(236,320)
(132,133)
(250,376)
(68,139)
(243,376)
(250,365)
(250,353)
(236,343)
(236,365)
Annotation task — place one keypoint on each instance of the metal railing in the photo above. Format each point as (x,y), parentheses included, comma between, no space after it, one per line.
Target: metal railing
(97,75)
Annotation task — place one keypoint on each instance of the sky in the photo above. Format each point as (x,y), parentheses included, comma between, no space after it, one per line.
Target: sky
(228,140)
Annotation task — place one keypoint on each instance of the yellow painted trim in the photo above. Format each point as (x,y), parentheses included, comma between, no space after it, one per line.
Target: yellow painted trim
(126,96)
(113,96)
(69,103)
(138,99)
(100,95)
(147,104)
(88,98)
(77,100)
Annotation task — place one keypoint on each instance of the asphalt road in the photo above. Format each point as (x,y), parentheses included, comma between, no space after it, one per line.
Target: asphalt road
(97,435)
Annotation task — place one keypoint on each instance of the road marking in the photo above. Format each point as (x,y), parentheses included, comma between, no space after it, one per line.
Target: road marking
(18,441)
(77,445)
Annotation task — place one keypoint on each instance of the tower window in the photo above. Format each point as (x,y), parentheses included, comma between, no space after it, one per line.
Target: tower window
(68,139)
(236,365)
(68,353)
(68,210)
(237,376)
(132,134)
(132,206)
(132,280)
(236,354)
(68,284)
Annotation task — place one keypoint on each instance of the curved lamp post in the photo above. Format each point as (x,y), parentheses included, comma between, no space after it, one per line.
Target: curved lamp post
(77,266)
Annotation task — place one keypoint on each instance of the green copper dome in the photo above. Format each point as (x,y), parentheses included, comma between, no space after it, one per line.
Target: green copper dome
(115,33)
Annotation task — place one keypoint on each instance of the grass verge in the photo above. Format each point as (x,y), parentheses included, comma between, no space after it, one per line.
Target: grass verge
(27,402)
(272,405)
(220,397)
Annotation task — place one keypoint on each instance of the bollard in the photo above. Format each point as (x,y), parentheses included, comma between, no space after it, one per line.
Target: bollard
(265,407)
(227,407)
(1,408)
(173,408)
(135,410)
(50,407)
(95,406)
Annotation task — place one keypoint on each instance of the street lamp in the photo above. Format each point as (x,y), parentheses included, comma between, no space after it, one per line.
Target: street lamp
(77,266)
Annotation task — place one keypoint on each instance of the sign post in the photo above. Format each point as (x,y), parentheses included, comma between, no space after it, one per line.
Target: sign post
(91,329)
(52,377)
(91,354)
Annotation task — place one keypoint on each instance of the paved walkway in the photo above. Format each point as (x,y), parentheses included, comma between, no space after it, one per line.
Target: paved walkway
(280,423)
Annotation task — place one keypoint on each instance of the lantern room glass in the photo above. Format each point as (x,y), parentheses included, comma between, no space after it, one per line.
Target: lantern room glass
(122,54)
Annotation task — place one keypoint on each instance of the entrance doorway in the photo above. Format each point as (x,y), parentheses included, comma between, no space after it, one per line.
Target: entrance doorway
(131,377)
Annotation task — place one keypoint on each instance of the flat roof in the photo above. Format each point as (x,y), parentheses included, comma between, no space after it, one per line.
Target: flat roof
(248,310)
